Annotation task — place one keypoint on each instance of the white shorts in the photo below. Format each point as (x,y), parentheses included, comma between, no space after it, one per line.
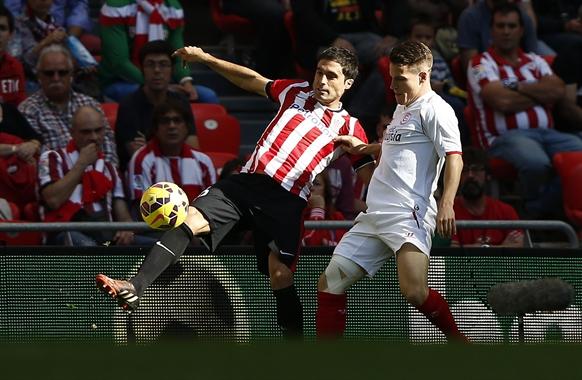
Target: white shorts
(375,237)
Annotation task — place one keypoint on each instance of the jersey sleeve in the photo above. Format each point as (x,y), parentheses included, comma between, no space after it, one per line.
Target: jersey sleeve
(49,168)
(542,65)
(480,73)
(442,128)
(276,89)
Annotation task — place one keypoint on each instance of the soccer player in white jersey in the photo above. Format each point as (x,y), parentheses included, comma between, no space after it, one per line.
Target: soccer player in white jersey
(272,189)
(402,212)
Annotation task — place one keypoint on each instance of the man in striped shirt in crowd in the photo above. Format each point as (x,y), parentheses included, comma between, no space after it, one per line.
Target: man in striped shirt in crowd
(272,189)
(513,92)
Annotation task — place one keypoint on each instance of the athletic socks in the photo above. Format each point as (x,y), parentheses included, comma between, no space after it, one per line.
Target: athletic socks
(289,312)
(436,309)
(330,318)
(165,252)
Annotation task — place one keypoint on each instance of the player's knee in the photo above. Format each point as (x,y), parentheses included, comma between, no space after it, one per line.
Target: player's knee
(196,221)
(281,277)
(414,294)
(340,274)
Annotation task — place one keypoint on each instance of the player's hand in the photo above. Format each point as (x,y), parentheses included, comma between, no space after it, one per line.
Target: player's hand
(445,221)
(191,54)
(350,144)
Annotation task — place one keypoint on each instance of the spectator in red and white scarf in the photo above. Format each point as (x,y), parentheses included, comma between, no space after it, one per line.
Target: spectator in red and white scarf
(77,183)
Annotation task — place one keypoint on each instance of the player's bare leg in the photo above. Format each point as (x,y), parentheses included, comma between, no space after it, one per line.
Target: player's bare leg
(165,252)
(412,267)
(289,308)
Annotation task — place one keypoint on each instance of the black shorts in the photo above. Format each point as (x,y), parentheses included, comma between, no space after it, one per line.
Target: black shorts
(262,205)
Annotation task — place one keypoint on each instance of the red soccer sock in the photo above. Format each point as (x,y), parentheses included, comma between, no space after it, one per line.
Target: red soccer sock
(436,309)
(330,318)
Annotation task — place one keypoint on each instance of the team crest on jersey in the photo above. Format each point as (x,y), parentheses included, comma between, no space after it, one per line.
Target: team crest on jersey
(406,118)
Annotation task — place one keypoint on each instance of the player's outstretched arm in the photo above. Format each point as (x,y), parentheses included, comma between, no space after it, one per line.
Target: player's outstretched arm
(354,145)
(240,76)
(445,222)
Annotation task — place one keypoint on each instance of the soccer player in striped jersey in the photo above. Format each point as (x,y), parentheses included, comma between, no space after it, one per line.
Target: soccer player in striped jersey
(272,189)
(402,211)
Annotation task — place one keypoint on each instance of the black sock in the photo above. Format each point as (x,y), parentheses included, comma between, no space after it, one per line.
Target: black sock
(165,252)
(289,312)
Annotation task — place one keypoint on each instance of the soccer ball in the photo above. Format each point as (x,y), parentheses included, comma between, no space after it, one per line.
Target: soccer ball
(164,206)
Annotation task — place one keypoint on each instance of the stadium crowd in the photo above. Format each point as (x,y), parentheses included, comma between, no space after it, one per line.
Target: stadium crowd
(95,110)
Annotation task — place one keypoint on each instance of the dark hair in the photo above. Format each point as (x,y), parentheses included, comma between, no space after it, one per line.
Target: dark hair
(231,167)
(5,12)
(346,58)
(410,53)
(155,47)
(475,156)
(506,8)
(163,108)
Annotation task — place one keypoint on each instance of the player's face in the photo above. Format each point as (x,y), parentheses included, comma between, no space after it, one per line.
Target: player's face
(506,32)
(4,33)
(329,83)
(172,129)
(407,82)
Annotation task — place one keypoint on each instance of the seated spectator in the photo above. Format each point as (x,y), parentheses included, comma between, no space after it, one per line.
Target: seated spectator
(12,80)
(474,30)
(167,157)
(340,177)
(125,27)
(35,30)
(472,203)
(73,15)
(320,207)
(78,183)
(512,92)
(134,116)
(50,110)
(19,149)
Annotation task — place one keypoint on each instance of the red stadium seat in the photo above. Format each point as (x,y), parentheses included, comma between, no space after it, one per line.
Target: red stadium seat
(219,159)
(206,110)
(229,23)
(569,167)
(218,133)
(110,110)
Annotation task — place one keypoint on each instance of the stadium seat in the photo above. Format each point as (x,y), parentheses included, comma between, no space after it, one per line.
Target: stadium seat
(302,72)
(569,167)
(110,110)
(219,159)
(206,110)
(218,133)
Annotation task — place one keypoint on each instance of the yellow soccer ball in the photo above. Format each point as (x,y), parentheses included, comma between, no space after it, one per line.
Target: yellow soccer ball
(164,206)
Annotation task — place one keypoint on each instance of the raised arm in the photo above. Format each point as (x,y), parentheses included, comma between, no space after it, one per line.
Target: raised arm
(240,76)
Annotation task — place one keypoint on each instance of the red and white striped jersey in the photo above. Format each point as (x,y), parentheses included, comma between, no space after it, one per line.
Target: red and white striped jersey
(489,67)
(298,143)
(193,171)
(53,165)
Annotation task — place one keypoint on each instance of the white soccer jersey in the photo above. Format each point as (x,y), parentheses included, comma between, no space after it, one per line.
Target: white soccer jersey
(413,150)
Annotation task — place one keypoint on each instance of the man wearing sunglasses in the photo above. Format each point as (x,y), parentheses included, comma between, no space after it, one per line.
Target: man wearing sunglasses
(50,110)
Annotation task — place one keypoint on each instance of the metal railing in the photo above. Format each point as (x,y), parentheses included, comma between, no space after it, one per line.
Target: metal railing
(551,225)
